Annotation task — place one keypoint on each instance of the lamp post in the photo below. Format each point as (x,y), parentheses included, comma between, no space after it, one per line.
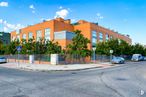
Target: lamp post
(94,49)
(111,52)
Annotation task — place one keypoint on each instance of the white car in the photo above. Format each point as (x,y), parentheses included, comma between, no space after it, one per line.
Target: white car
(137,57)
(3,60)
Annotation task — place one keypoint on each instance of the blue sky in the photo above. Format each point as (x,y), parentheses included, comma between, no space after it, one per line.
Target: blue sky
(124,16)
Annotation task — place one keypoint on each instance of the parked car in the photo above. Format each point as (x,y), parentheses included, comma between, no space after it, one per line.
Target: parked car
(118,60)
(144,58)
(137,57)
(3,59)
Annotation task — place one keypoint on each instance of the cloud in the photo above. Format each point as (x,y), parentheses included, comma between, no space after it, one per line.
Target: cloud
(60,7)
(31,6)
(73,20)
(33,11)
(99,16)
(4,4)
(43,19)
(62,13)
(8,26)
(5,29)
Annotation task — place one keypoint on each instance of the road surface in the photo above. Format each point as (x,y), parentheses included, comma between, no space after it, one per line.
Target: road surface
(126,80)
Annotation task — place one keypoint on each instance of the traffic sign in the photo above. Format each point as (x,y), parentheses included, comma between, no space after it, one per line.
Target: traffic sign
(19,48)
(111,51)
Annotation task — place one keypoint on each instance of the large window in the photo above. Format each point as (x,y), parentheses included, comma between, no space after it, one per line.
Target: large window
(39,35)
(47,33)
(101,36)
(94,38)
(64,35)
(107,37)
(24,36)
(30,35)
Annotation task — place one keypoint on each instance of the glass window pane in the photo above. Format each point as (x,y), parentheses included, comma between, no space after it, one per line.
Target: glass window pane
(39,35)
(30,35)
(47,33)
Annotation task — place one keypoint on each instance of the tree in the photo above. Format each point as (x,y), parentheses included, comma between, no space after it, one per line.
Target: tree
(1,47)
(119,47)
(12,47)
(79,46)
(138,49)
(102,48)
(52,47)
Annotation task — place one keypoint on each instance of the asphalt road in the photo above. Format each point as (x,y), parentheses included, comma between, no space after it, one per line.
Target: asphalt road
(127,80)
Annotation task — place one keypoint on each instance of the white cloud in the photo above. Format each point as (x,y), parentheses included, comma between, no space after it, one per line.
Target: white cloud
(1,21)
(31,6)
(99,16)
(62,13)
(5,29)
(43,19)
(60,7)
(8,26)
(73,20)
(33,11)
(4,4)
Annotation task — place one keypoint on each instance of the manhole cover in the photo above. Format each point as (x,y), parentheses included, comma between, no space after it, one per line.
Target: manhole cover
(73,73)
(21,96)
(121,79)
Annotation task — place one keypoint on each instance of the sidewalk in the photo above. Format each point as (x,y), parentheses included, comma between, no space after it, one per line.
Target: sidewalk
(44,67)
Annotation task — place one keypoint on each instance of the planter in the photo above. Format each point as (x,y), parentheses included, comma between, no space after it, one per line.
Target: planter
(54,59)
(31,59)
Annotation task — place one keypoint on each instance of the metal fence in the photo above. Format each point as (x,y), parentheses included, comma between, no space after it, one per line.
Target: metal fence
(38,58)
(63,58)
(73,59)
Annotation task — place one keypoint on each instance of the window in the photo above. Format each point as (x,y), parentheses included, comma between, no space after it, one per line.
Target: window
(1,34)
(47,33)
(24,36)
(18,37)
(111,37)
(13,38)
(64,35)
(30,35)
(100,36)
(107,37)
(94,38)
(39,35)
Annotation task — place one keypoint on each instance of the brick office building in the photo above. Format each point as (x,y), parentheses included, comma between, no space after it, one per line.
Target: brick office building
(61,31)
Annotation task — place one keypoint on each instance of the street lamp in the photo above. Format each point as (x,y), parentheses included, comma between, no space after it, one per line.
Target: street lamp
(111,52)
(94,49)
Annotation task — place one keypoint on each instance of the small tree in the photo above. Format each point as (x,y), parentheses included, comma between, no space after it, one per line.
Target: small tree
(79,46)
(53,47)
(102,48)
(138,49)
(12,47)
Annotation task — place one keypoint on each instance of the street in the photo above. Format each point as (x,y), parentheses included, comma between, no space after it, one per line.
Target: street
(126,80)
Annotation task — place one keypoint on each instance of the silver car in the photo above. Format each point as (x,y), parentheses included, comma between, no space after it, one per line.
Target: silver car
(3,60)
(118,60)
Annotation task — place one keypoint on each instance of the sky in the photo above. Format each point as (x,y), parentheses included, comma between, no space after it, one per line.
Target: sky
(124,16)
